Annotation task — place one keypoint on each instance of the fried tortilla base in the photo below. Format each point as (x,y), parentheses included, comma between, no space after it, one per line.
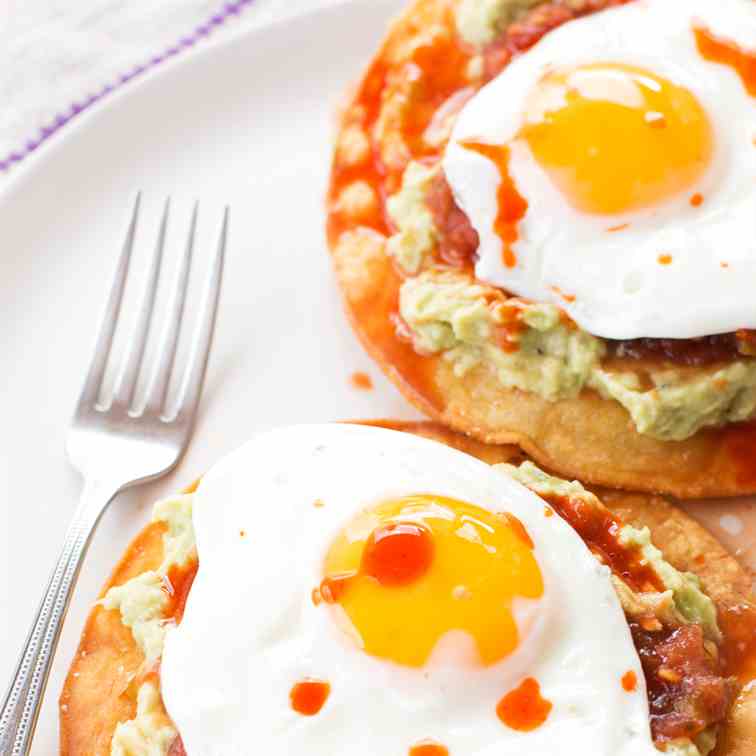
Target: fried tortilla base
(102,683)
(587,437)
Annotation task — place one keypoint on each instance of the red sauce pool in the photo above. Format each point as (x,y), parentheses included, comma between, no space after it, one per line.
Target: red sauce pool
(524,708)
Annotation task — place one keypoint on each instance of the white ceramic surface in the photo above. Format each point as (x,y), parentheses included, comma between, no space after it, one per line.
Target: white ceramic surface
(246,122)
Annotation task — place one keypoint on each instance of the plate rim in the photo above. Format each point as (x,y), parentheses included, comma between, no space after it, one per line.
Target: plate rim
(24,171)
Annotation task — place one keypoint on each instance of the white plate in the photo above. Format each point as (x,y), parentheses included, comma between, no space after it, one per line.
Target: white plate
(247,122)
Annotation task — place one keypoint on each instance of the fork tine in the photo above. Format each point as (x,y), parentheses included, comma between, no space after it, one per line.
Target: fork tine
(93,382)
(191,386)
(158,386)
(127,380)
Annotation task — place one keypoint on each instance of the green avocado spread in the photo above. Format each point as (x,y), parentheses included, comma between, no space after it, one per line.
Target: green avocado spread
(689,603)
(448,312)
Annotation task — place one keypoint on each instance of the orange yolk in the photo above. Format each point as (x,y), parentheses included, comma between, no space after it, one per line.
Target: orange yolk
(406,572)
(615,138)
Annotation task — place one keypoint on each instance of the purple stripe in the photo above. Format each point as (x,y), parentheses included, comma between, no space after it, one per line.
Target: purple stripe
(204,30)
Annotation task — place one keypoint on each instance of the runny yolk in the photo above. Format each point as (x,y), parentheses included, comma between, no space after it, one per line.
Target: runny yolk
(428,748)
(524,708)
(512,206)
(615,138)
(309,696)
(728,53)
(408,571)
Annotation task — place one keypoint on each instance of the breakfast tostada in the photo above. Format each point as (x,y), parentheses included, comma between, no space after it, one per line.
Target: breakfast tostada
(542,217)
(342,589)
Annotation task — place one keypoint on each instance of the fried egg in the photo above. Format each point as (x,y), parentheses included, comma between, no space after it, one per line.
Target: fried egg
(365,591)
(611,170)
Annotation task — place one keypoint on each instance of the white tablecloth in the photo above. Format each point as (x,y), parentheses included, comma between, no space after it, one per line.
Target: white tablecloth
(54,54)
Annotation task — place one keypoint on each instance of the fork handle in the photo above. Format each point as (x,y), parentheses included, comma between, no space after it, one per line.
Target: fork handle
(18,717)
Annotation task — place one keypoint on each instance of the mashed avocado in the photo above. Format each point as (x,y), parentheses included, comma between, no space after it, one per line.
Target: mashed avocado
(479,21)
(141,601)
(449,312)
(690,603)
(702,745)
(682,602)
(417,233)
(678,405)
(149,733)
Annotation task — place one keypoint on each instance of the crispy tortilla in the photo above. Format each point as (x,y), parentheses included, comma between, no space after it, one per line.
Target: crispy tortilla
(586,437)
(101,686)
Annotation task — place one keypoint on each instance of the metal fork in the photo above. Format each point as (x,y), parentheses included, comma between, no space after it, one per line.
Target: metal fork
(116,445)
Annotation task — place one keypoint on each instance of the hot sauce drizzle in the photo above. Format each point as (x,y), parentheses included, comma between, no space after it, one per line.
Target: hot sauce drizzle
(600,529)
(728,53)
(177,747)
(629,681)
(524,708)
(442,64)
(361,381)
(427,748)
(309,696)
(512,205)
(518,529)
(332,588)
(179,582)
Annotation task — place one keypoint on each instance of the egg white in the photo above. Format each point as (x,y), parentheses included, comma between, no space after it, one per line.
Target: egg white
(251,631)
(621,291)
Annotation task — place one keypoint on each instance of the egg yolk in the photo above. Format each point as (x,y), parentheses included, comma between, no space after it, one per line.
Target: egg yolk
(615,138)
(406,572)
